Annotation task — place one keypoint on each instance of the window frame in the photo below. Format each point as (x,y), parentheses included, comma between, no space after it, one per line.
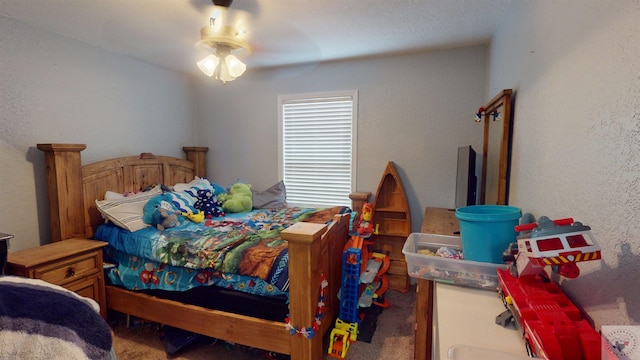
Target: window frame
(283,99)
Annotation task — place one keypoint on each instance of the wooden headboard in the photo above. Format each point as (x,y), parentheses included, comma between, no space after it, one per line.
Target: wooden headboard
(73,188)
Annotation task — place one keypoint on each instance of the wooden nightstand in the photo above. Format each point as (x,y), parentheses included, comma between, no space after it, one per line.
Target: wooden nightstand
(75,264)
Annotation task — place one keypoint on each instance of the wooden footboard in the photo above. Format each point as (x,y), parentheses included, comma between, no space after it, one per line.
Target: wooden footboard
(315,250)
(312,258)
(240,329)
(315,253)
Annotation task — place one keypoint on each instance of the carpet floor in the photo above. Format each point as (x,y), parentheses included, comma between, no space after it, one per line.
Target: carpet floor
(392,339)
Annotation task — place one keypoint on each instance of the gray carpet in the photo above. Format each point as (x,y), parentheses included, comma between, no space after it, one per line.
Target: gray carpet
(393,339)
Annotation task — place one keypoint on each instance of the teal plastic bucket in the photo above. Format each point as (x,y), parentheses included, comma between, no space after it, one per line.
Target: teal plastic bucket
(487,230)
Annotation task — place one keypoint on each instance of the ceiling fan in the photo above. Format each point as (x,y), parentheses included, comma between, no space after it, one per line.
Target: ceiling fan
(225,3)
(250,33)
(224,37)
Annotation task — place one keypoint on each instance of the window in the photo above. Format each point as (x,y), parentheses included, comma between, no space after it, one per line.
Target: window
(577,241)
(550,244)
(317,147)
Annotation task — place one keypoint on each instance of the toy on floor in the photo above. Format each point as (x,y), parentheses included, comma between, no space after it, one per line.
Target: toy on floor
(364,281)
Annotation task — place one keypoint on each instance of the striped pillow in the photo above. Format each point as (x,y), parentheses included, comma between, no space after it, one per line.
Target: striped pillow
(126,212)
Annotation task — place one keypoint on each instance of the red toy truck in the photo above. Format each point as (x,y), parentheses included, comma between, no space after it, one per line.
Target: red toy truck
(553,327)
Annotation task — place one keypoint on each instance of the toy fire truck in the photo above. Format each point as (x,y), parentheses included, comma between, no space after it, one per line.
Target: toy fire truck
(553,327)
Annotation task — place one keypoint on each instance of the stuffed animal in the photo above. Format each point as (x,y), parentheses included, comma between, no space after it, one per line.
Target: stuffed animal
(217,209)
(164,219)
(196,217)
(238,200)
(208,204)
(161,213)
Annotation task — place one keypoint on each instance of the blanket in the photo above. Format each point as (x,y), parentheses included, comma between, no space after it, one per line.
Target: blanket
(242,251)
(43,321)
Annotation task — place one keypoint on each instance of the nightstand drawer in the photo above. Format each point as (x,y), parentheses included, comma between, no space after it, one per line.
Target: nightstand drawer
(88,287)
(76,268)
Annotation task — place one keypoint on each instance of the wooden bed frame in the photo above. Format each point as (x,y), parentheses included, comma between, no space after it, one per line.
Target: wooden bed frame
(315,250)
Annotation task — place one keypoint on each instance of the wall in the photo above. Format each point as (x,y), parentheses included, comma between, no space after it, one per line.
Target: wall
(57,90)
(414,110)
(576,146)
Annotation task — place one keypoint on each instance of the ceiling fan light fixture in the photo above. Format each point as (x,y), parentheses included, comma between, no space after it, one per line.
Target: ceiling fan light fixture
(209,64)
(235,66)
(225,75)
(223,63)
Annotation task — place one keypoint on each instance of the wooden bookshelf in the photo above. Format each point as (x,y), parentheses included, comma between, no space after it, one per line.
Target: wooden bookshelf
(392,218)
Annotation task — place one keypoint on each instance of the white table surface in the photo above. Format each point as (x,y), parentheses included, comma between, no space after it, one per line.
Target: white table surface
(466,316)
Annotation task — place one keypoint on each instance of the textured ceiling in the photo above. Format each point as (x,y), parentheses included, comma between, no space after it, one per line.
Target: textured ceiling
(280,32)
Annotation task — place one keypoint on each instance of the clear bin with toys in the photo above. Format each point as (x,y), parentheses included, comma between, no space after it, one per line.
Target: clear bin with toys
(422,254)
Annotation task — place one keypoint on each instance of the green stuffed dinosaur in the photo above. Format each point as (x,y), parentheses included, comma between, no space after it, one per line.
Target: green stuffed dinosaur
(238,199)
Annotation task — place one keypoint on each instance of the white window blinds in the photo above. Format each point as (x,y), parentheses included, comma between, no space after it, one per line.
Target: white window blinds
(317,148)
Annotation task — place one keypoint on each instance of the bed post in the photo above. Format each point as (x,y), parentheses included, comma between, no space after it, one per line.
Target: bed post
(358,199)
(64,183)
(198,156)
(306,266)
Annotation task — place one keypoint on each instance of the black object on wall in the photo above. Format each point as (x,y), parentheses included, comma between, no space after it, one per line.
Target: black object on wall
(466,179)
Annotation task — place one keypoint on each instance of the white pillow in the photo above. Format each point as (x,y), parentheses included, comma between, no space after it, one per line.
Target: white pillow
(126,212)
(112,195)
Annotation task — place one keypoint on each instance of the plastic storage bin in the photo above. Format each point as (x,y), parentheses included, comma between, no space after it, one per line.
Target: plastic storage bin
(487,230)
(453,271)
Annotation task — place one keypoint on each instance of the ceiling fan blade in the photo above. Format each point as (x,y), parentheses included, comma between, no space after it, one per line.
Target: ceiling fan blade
(204,6)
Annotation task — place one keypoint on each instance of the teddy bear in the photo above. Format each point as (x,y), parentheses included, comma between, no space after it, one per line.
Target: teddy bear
(238,199)
(208,204)
(161,213)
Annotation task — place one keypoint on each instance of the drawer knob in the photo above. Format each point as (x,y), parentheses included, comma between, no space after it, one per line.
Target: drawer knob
(70,272)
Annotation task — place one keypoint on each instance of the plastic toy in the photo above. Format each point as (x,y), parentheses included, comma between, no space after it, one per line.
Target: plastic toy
(363,282)
(345,330)
(375,279)
(552,326)
(342,335)
(559,243)
(197,217)
(364,227)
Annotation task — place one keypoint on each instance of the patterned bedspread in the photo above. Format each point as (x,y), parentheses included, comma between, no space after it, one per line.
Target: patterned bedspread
(43,321)
(241,251)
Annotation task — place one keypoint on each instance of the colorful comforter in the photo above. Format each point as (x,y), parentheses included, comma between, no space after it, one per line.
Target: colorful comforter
(241,251)
(43,321)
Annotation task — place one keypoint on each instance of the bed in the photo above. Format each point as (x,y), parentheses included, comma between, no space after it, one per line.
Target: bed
(314,251)
(39,320)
